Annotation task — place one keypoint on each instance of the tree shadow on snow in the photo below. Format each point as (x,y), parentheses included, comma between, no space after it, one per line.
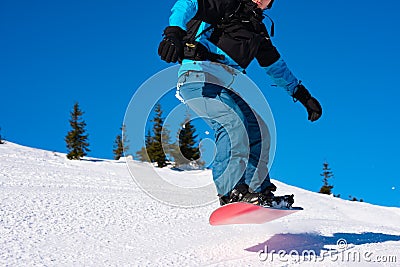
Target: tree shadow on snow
(309,241)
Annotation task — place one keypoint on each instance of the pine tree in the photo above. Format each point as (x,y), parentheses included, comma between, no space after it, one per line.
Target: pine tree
(355,199)
(326,188)
(76,139)
(143,153)
(1,138)
(160,136)
(186,150)
(187,141)
(157,142)
(120,144)
(118,147)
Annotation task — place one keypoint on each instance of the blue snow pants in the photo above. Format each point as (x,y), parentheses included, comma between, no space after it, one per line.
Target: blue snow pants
(242,138)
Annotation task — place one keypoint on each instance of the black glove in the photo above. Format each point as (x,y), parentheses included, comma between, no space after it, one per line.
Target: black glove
(171,47)
(312,105)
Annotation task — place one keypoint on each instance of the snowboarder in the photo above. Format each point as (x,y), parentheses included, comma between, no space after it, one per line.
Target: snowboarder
(206,36)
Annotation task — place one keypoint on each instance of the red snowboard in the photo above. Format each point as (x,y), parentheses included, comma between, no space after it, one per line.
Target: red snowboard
(246,213)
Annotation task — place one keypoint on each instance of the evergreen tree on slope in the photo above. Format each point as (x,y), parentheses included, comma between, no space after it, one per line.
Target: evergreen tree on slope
(327,174)
(186,150)
(120,144)
(76,139)
(156,151)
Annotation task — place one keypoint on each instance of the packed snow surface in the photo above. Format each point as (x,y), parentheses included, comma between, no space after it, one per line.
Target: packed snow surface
(54,211)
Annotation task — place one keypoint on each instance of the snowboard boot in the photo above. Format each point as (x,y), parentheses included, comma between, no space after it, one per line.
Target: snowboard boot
(268,192)
(241,193)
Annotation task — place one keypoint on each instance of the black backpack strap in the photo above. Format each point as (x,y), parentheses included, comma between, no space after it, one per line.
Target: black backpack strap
(195,50)
(272,31)
(192,29)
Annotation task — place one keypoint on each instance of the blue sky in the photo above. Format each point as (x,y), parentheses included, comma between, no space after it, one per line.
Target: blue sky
(53,53)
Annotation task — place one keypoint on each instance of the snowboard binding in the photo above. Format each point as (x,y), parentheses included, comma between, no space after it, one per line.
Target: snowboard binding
(267,199)
(279,202)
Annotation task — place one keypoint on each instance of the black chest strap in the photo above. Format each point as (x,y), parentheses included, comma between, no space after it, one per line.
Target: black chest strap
(195,50)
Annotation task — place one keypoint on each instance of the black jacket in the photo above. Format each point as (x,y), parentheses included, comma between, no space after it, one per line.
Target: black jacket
(238,30)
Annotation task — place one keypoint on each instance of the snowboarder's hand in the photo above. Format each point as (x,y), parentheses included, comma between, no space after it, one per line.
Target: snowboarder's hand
(314,109)
(171,47)
(312,105)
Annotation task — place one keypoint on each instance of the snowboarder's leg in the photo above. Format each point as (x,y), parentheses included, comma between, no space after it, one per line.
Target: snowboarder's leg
(214,103)
(256,174)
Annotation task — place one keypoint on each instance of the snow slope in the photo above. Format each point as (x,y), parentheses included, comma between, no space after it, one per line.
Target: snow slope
(59,212)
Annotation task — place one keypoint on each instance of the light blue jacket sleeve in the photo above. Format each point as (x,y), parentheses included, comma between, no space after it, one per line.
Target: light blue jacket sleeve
(282,76)
(182,12)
